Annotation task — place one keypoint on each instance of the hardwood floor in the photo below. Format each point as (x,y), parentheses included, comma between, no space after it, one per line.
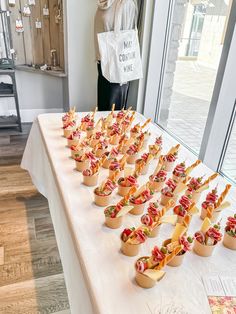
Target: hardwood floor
(31,274)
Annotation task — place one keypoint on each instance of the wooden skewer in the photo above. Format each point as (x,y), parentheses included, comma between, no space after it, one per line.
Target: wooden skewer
(212,177)
(194,165)
(223,195)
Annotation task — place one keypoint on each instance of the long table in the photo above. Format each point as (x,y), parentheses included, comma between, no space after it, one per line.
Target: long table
(99,279)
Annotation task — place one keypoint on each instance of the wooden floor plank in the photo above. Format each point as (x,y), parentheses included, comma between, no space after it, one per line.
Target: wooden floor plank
(43,295)
(31,274)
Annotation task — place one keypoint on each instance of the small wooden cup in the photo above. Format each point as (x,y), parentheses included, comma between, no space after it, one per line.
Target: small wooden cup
(195,196)
(130,249)
(165,199)
(90,180)
(168,166)
(155,231)
(138,209)
(156,186)
(144,170)
(124,149)
(123,190)
(229,242)
(102,201)
(203,250)
(120,175)
(100,152)
(67,132)
(72,142)
(215,215)
(113,223)
(106,163)
(89,133)
(82,165)
(115,139)
(132,158)
(177,260)
(178,179)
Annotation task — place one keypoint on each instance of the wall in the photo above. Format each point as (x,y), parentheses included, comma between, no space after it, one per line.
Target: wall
(81,57)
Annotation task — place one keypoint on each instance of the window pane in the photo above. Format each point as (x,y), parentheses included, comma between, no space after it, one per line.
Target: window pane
(229,163)
(192,60)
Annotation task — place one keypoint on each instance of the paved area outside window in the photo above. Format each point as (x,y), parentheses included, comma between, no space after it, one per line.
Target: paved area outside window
(190,102)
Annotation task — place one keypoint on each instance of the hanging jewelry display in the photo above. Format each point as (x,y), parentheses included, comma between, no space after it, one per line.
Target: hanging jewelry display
(26,10)
(45,11)
(31,2)
(38,24)
(19,26)
(12,3)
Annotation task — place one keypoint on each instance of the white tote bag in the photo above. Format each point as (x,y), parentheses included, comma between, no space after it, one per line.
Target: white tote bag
(120,52)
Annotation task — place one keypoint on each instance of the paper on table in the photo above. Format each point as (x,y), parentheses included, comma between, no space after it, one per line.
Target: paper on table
(229,285)
(213,286)
(220,285)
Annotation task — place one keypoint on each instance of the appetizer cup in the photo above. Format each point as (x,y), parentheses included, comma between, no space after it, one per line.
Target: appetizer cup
(115,139)
(156,186)
(138,209)
(229,241)
(168,166)
(102,200)
(89,133)
(202,249)
(113,223)
(165,199)
(215,215)
(100,152)
(145,281)
(67,132)
(72,142)
(82,165)
(106,163)
(120,175)
(130,249)
(90,180)
(195,196)
(123,190)
(177,260)
(144,169)
(132,158)
(154,231)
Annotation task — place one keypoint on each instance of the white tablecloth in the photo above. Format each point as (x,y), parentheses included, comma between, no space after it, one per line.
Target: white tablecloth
(98,277)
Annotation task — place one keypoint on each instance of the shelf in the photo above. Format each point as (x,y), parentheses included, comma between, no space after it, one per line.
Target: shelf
(27,68)
(6,95)
(9,122)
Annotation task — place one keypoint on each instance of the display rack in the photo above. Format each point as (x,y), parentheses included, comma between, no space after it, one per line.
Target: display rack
(7,68)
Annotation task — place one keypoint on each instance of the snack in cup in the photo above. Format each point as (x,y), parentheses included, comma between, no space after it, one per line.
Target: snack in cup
(114,214)
(213,204)
(118,165)
(110,157)
(155,217)
(68,128)
(156,148)
(74,138)
(207,238)
(170,158)
(140,198)
(143,162)
(149,269)
(83,162)
(69,116)
(131,240)
(101,148)
(103,193)
(185,206)
(90,175)
(96,138)
(125,184)
(229,239)
(86,120)
(196,186)
(180,172)
(133,151)
(137,129)
(167,193)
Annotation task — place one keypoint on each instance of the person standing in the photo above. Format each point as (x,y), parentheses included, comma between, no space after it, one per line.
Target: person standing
(112,93)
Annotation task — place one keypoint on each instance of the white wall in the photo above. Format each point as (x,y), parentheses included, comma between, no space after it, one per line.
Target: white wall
(81,57)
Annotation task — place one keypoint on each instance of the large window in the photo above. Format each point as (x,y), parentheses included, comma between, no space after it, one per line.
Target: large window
(192,57)
(190,87)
